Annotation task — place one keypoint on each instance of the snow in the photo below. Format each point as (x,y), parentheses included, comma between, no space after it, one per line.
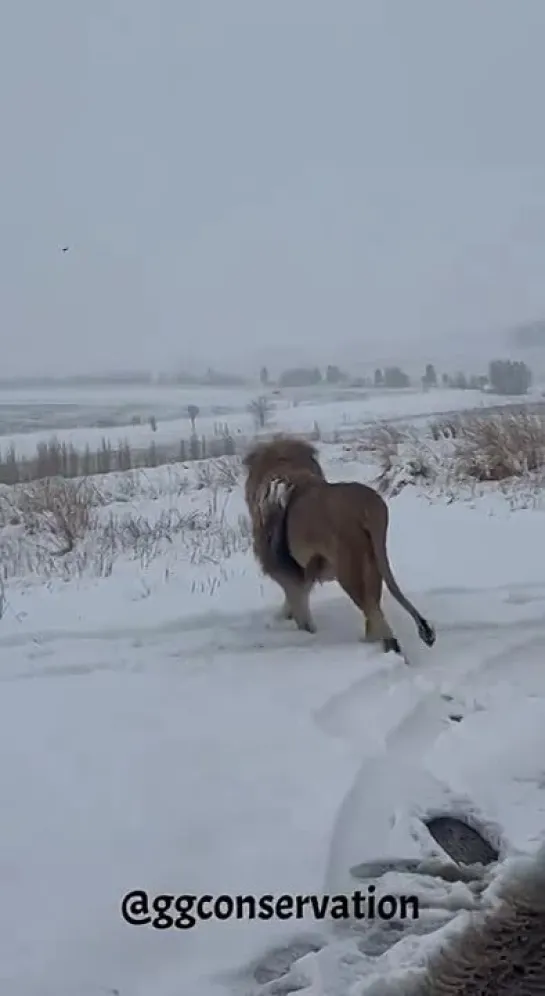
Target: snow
(293,411)
(159,730)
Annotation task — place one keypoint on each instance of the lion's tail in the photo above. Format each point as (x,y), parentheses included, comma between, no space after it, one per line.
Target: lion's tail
(378,540)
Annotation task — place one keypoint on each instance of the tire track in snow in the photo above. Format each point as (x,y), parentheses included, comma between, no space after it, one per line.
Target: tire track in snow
(415,711)
(416,704)
(205,636)
(329,611)
(389,786)
(419,699)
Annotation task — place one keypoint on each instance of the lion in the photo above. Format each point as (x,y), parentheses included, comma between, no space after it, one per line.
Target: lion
(308,530)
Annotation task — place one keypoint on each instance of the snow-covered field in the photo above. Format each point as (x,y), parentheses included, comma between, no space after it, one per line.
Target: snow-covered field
(298,410)
(160,731)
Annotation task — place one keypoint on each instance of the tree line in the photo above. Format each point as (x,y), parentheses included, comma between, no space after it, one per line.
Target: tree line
(508,377)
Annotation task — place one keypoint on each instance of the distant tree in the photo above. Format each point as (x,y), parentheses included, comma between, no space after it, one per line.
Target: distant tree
(509,377)
(192,411)
(264,375)
(87,462)
(395,377)
(445,380)
(430,377)
(379,378)
(334,376)
(460,381)
(260,410)
(195,449)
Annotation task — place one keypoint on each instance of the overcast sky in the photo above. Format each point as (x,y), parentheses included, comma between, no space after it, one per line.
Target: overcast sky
(231,175)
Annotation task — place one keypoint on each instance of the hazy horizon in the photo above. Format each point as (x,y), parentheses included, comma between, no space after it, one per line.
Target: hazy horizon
(240,184)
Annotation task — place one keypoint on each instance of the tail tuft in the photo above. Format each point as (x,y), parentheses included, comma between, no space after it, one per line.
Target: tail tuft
(426,632)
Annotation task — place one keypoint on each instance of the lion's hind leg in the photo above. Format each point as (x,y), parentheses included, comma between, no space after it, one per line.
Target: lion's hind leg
(297,604)
(284,612)
(363,585)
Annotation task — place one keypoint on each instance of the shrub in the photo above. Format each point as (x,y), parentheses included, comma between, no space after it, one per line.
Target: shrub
(58,509)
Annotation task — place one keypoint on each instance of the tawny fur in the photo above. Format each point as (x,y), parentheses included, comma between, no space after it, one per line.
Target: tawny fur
(307,530)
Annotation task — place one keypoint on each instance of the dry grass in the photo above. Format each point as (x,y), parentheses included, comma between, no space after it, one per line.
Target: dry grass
(499,447)
(218,474)
(60,511)
(204,535)
(445,427)
(64,527)
(383,437)
(172,480)
(67,528)
(402,456)
(468,449)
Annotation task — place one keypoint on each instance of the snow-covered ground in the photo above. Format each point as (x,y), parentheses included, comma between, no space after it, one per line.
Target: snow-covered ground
(160,731)
(300,410)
